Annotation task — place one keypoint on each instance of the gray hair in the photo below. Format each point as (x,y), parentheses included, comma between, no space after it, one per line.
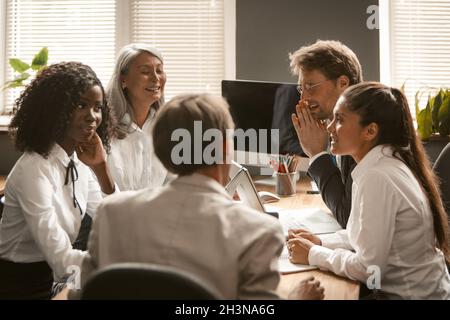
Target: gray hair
(116,97)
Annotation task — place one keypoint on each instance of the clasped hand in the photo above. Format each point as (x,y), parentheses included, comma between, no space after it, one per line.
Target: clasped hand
(311,133)
(299,242)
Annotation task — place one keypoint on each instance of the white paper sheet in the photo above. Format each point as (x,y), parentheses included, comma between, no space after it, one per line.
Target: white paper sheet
(285,266)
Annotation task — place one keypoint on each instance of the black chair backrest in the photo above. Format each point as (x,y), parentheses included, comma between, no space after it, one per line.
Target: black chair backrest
(442,170)
(2,205)
(139,281)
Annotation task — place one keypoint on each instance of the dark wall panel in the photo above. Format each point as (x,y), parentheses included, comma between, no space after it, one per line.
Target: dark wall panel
(267,30)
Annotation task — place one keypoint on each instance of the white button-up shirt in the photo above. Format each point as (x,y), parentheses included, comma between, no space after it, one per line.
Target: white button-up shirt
(133,162)
(39,219)
(390,230)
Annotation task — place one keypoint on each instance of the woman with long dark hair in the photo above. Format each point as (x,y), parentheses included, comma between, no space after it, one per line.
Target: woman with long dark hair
(397,236)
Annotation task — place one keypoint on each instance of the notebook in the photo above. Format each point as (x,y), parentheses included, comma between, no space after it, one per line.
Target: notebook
(315,220)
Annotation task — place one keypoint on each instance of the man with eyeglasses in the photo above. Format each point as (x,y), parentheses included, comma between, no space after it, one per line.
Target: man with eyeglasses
(325,69)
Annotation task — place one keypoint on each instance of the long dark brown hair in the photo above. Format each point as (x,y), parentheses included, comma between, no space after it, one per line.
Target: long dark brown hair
(388,108)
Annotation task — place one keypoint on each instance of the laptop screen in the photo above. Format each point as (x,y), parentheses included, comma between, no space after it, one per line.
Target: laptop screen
(242,183)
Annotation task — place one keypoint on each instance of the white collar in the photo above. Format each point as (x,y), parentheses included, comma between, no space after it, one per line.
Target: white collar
(370,159)
(126,119)
(61,155)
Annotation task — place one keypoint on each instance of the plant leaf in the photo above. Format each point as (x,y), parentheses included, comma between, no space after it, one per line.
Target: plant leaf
(12,84)
(444,115)
(424,125)
(6,85)
(435,106)
(416,101)
(22,76)
(18,65)
(40,59)
(17,82)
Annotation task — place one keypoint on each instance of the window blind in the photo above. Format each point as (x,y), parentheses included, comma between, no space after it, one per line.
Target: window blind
(190,35)
(420,45)
(73,30)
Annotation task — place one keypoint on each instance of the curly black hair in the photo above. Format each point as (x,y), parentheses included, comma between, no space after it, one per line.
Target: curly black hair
(44,109)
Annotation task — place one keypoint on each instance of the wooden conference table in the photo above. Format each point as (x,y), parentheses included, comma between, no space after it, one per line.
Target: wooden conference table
(336,288)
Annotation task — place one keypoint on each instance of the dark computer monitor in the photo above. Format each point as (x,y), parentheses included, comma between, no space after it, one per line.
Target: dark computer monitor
(264,105)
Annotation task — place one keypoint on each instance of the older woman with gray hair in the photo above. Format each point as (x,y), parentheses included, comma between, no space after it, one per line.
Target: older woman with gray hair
(135,93)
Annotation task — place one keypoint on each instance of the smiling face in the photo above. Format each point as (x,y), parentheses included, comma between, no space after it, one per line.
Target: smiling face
(323,95)
(144,80)
(348,136)
(86,118)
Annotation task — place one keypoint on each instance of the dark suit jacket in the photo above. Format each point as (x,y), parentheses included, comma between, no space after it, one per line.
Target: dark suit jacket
(335,185)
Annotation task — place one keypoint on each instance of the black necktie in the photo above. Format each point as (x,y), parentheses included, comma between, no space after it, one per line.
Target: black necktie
(333,157)
(73,173)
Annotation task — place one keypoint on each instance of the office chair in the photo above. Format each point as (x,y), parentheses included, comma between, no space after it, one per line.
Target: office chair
(139,281)
(442,169)
(2,202)
(433,149)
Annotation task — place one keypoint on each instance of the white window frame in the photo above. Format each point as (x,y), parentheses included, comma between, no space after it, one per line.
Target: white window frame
(386,56)
(230,39)
(123,21)
(123,36)
(2,52)
(385,42)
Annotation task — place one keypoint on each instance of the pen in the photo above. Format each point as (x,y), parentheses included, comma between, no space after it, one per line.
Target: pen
(312,192)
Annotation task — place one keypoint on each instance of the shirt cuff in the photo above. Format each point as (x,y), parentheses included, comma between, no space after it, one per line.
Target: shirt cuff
(312,159)
(318,255)
(329,240)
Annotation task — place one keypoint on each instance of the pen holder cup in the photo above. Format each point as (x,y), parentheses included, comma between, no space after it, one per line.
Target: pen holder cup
(286,183)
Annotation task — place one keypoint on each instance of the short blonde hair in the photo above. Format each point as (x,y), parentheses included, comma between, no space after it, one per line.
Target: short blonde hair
(180,113)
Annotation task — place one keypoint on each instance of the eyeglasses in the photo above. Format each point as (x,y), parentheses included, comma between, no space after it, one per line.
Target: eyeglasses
(309,87)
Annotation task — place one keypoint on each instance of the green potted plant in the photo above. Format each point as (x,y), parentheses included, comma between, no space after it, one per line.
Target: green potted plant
(433,122)
(23,71)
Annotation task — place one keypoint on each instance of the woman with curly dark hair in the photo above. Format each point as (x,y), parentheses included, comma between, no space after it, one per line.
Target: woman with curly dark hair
(62,124)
